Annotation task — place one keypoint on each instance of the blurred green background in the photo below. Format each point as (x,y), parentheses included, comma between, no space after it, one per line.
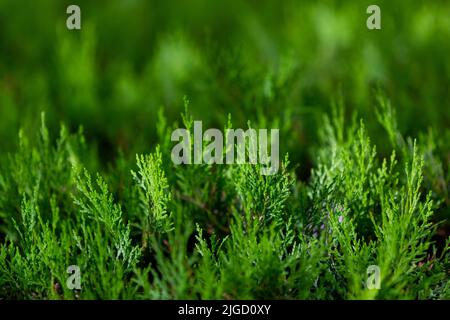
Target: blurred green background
(264,61)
